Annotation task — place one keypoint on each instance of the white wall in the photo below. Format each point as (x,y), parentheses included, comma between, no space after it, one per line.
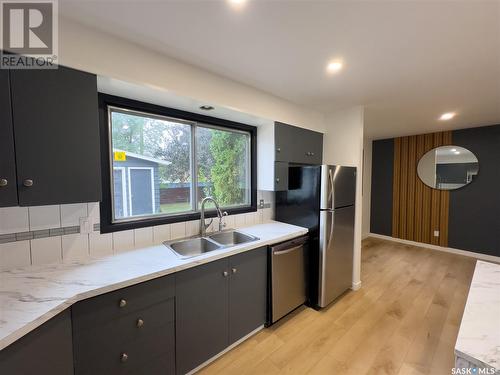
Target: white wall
(83,48)
(367,185)
(343,144)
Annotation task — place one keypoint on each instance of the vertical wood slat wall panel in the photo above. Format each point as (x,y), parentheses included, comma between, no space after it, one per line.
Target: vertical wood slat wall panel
(418,210)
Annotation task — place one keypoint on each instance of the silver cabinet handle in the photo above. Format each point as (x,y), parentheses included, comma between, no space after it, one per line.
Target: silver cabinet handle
(3,182)
(225,274)
(234,270)
(123,357)
(122,303)
(277,179)
(28,182)
(278,149)
(140,323)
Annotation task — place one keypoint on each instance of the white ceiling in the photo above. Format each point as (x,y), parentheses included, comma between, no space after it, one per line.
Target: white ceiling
(406,61)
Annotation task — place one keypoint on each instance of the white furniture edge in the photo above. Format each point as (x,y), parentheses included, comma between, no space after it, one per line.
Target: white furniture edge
(471,254)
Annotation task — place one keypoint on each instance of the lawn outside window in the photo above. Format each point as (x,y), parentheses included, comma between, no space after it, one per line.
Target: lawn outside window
(161,163)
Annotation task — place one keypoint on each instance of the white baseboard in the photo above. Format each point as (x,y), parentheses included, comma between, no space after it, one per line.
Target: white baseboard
(489,258)
(195,370)
(356,285)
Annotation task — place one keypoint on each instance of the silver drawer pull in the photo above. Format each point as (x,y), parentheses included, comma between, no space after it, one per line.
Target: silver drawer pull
(3,182)
(122,303)
(225,274)
(124,357)
(140,323)
(234,270)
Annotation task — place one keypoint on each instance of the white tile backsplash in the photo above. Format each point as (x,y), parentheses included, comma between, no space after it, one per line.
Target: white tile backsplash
(161,233)
(93,212)
(46,250)
(177,230)
(75,247)
(123,241)
(15,254)
(14,220)
(192,228)
(71,214)
(44,217)
(143,237)
(100,245)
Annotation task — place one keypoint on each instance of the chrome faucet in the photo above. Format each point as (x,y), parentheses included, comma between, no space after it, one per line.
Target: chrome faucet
(220,215)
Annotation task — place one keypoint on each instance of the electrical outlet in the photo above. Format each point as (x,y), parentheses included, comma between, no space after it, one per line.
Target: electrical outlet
(436,233)
(261,203)
(86,225)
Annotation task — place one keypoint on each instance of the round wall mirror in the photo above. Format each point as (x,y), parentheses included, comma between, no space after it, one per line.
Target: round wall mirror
(448,167)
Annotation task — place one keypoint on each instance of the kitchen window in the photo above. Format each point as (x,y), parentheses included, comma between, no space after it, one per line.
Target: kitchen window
(160,163)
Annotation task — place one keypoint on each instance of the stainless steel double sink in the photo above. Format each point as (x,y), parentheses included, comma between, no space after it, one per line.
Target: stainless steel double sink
(192,247)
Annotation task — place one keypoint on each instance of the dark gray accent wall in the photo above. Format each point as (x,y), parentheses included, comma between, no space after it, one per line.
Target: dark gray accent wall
(474,222)
(381,195)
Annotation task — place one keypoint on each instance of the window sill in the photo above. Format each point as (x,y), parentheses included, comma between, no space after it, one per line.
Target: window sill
(107,227)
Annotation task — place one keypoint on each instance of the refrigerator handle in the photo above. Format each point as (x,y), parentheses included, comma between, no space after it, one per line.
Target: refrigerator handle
(330,235)
(332,190)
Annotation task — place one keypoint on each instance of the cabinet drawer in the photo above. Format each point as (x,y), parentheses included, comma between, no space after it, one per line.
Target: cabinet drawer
(89,313)
(94,341)
(155,351)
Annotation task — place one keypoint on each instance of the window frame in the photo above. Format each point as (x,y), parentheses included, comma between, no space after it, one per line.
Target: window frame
(107,222)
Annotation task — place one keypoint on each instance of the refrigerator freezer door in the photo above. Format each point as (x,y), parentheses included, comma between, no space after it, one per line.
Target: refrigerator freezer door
(336,248)
(338,186)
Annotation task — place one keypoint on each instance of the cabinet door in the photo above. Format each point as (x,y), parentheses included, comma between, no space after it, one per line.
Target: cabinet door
(46,350)
(280,176)
(8,183)
(201,314)
(57,136)
(298,145)
(247,293)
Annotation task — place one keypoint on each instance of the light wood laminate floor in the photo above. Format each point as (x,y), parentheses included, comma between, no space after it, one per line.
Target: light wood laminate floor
(404,320)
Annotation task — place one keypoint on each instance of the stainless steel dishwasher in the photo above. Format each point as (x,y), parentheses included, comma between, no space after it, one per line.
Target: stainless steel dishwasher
(288,277)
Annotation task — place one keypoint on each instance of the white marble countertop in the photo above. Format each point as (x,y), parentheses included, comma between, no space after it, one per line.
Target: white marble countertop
(478,340)
(31,296)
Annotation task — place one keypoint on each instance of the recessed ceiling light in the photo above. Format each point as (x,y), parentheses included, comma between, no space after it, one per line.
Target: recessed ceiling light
(237,3)
(447,116)
(207,107)
(334,66)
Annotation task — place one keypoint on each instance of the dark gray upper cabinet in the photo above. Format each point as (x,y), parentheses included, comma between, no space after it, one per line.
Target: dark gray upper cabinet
(201,314)
(8,188)
(297,145)
(217,304)
(247,293)
(46,350)
(55,115)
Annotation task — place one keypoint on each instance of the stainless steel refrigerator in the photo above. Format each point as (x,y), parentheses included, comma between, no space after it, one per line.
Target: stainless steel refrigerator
(322,199)
(336,231)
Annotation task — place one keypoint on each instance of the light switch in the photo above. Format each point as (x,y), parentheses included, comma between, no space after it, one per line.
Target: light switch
(436,233)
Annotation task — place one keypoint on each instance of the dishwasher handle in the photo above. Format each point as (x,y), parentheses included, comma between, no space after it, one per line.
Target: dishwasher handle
(296,242)
(282,252)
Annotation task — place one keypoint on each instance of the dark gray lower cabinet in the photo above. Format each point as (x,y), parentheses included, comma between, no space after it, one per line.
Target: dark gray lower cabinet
(128,331)
(46,350)
(217,304)
(247,293)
